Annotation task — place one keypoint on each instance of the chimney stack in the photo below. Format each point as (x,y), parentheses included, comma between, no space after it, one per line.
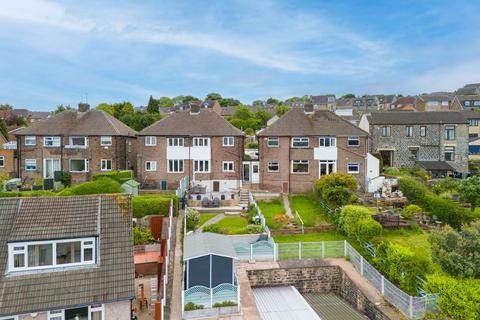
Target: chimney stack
(308,108)
(195,109)
(83,107)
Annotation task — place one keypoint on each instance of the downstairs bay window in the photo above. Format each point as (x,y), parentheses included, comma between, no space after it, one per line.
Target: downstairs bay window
(49,254)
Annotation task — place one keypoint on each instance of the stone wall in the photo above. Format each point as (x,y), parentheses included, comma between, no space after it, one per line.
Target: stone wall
(320,279)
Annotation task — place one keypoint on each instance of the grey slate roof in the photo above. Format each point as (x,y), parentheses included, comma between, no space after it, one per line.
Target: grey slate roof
(435,165)
(471,114)
(440,117)
(206,123)
(112,279)
(204,243)
(70,122)
(322,122)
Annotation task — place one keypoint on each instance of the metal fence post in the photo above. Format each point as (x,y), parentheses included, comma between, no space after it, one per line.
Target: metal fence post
(274,251)
(238,297)
(211,298)
(344,248)
(323,249)
(300,250)
(383,286)
(361,265)
(410,307)
(251,251)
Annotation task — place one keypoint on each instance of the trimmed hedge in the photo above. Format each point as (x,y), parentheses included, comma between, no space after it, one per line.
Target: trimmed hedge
(119,175)
(99,186)
(146,205)
(357,222)
(33,193)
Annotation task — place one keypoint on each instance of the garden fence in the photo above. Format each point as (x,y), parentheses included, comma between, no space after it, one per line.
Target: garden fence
(208,297)
(261,250)
(263,222)
(182,187)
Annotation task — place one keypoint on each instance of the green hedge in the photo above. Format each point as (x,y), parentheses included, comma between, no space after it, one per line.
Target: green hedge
(445,209)
(145,205)
(99,186)
(118,175)
(33,193)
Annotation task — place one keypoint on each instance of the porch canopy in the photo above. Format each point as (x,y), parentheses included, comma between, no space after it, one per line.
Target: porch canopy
(435,166)
(209,260)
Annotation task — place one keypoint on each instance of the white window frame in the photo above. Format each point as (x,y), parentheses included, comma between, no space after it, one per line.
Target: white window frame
(84,245)
(448,128)
(353,138)
(451,149)
(52,160)
(150,141)
(353,164)
(205,142)
(300,162)
(2,161)
(56,314)
(71,145)
(327,162)
(32,141)
(103,166)
(228,141)
(386,131)
(176,142)
(33,161)
(300,140)
(152,168)
(408,131)
(55,140)
(424,129)
(204,168)
(273,163)
(228,164)
(106,141)
(177,161)
(273,139)
(11,317)
(60,314)
(466,103)
(473,122)
(85,163)
(476,103)
(332,142)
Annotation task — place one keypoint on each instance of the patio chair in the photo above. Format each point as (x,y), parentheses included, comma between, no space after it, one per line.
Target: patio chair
(205,202)
(216,202)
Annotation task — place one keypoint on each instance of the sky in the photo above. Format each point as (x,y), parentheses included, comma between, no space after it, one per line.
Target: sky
(64,52)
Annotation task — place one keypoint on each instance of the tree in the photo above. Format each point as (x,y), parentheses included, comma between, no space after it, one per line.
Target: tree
(140,120)
(263,115)
(337,189)
(470,191)
(273,101)
(357,222)
(106,107)
(229,102)
(62,108)
(4,107)
(3,128)
(152,106)
(257,103)
(348,96)
(165,102)
(305,98)
(214,96)
(458,252)
(187,99)
(282,109)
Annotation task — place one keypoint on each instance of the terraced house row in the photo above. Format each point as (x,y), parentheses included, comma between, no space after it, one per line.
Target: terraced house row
(294,151)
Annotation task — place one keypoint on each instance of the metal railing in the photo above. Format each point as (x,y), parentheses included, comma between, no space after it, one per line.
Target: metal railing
(300,220)
(263,222)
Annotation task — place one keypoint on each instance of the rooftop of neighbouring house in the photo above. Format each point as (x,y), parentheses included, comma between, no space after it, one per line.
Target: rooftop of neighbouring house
(438,117)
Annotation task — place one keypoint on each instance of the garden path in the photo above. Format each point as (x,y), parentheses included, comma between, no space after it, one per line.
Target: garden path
(215,219)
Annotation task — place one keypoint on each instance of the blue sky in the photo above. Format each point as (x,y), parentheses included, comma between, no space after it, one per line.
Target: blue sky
(56,52)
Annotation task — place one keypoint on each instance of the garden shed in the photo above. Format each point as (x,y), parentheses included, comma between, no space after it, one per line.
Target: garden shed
(131,186)
(209,260)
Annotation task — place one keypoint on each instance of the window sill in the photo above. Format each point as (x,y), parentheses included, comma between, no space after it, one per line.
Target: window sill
(301,173)
(75,147)
(78,171)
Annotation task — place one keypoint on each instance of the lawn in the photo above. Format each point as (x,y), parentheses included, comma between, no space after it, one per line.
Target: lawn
(229,225)
(309,210)
(311,247)
(270,209)
(204,217)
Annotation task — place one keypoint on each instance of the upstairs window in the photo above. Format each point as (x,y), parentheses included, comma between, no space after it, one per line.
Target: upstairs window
(30,164)
(473,122)
(2,161)
(423,131)
(54,253)
(273,167)
(272,142)
(328,142)
(299,142)
(467,103)
(175,142)
(409,131)
(228,166)
(30,140)
(353,141)
(78,142)
(476,103)
(52,141)
(150,141)
(386,131)
(106,140)
(228,141)
(200,142)
(450,133)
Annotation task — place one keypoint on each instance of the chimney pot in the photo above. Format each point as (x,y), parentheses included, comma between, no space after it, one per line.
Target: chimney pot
(83,107)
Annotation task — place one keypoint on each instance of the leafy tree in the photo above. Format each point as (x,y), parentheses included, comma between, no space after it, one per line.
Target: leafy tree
(305,98)
(192,218)
(106,107)
(282,109)
(187,99)
(142,236)
(470,190)
(263,115)
(226,102)
(348,96)
(62,108)
(337,189)
(458,252)
(272,101)
(3,128)
(139,120)
(257,103)
(165,102)
(214,96)
(244,118)
(152,106)
(357,222)
(6,106)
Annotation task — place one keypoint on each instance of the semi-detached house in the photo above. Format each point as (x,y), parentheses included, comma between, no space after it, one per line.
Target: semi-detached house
(199,144)
(304,145)
(83,143)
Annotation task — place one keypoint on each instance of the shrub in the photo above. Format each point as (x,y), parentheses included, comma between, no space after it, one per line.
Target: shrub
(119,175)
(99,186)
(224,304)
(336,189)
(193,218)
(33,193)
(142,236)
(357,222)
(150,205)
(254,228)
(392,171)
(213,228)
(470,191)
(457,252)
(192,306)
(65,178)
(445,185)
(401,265)
(459,299)
(252,145)
(410,210)
(281,220)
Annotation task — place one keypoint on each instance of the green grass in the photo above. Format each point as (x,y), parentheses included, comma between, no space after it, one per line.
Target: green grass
(288,247)
(416,240)
(204,217)
(309,210)
(311,237)
(270,209)
(231,225)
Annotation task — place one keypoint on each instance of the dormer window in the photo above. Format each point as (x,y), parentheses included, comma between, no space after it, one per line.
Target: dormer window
(51,141)
(51,254)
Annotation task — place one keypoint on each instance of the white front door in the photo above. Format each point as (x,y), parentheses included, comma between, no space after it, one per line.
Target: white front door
(327,167)
(255,172)
(49,167)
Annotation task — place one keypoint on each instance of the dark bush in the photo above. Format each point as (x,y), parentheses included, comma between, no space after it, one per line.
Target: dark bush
(151,205)
(99,186)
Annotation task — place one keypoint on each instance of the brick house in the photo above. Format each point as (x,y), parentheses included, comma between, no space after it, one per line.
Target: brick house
(436,141)
(83,142)
(199,144)
(65,258)
(7,157)
(303,145)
